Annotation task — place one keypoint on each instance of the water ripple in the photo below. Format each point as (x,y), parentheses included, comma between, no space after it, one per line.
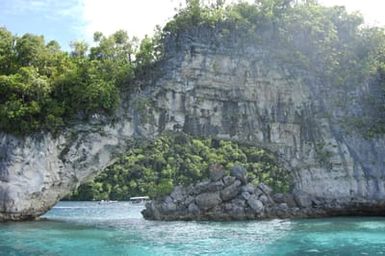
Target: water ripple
(87,228)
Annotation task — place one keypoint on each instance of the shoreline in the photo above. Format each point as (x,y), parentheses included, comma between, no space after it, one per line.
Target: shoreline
(228,198)
(362,211)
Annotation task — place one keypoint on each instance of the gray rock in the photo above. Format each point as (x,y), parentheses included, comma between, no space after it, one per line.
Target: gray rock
(168,207)
(190,189)
(168,200)
(246,195)
(255,204)
(240,173)
(238,202)
(315,202)
(208,200)
(217,172)
(283,206)
(279,198)
(265,188)
(248,188)
(237,212)
(264,199)
(193,208)
(201,187)
(281,211)
(302,199)
(231,191)
(151,211)
(258,192)
(228,180)
(228,206)
(284,198)
(189,200)
(290,200)
(215,186)
(178,194)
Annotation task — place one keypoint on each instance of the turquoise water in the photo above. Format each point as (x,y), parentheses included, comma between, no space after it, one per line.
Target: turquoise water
(86,228)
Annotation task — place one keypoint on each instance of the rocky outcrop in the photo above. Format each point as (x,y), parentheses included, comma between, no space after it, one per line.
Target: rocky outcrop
(227,198)
(227,89)
(233,198)
(220,198)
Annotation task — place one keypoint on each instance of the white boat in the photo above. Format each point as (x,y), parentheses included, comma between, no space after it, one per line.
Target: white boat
(139,199)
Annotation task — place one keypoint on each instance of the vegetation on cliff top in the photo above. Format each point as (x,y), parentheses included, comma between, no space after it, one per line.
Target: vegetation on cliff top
(154,168)
(44,88)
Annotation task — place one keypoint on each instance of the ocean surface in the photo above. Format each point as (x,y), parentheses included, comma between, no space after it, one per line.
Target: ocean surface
(89,228)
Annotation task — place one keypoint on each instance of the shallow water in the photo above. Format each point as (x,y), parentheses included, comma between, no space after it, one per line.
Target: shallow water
(86,228)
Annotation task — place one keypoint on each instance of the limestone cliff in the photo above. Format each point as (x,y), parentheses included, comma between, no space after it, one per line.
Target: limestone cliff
(234,90)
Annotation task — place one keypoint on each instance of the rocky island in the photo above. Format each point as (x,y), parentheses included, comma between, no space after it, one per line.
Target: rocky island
(231,197)
(311,92)
(222,197)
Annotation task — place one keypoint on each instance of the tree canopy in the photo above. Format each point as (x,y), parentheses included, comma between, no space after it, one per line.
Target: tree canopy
(43,88)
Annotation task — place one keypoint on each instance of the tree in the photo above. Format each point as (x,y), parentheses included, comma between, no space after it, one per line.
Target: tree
(43,87)
(7,42)
(114,55)
(29,50)
(79,49)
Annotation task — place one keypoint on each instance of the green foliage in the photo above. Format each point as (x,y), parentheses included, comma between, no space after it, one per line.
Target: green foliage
(150,51)
(195,14)
(42,88)
(145,55)
(7,41)
(27,93)
(153,168)
(114,56)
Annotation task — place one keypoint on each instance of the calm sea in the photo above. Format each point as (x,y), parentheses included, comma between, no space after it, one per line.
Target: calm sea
(87,228)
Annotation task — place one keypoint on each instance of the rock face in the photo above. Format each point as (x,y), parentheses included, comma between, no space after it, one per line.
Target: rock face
(207,86)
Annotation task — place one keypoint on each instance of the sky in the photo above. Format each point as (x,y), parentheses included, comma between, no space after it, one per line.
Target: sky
(71,20)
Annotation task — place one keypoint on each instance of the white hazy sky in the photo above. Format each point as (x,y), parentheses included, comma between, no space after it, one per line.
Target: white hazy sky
(373,10)
(141,16)
(69,20)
